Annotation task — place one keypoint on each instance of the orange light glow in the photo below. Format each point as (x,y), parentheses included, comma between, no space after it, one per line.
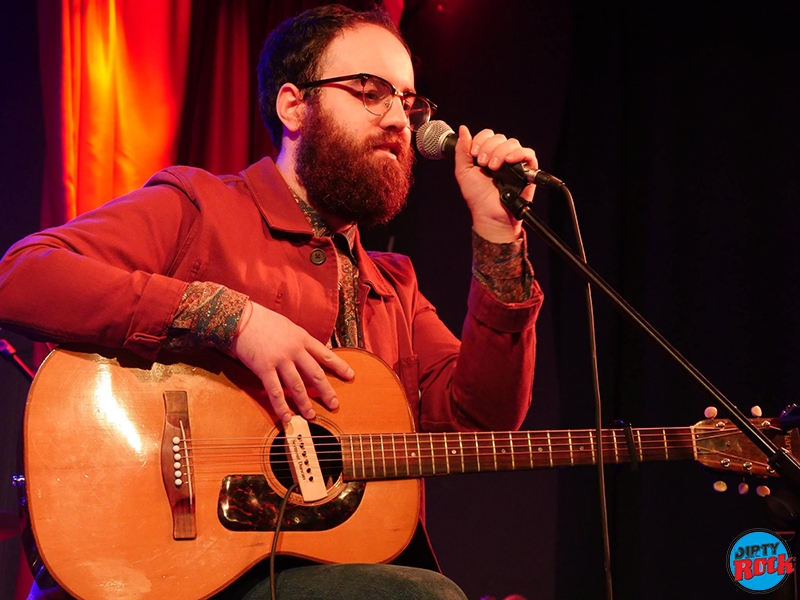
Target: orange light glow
(124,73)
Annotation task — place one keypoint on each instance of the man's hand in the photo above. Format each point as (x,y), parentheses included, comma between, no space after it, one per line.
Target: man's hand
(490,219)
(283,354)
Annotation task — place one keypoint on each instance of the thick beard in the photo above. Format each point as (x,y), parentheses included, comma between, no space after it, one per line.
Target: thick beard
(347,179)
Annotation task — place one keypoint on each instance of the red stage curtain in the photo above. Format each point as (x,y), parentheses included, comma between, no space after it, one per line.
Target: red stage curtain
(132,87)
(113,77)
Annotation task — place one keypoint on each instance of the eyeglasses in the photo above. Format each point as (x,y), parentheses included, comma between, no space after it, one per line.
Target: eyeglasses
(377,95)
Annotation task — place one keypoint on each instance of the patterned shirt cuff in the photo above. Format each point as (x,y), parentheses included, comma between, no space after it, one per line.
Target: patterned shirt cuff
(504,269)
(207,316)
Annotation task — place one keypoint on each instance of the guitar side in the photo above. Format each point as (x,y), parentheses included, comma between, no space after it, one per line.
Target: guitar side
(97,499)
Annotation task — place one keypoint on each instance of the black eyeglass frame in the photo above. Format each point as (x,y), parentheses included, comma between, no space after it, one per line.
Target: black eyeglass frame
(364,77)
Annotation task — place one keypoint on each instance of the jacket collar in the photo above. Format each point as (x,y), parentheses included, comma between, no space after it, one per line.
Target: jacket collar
(274,198)
(281,211)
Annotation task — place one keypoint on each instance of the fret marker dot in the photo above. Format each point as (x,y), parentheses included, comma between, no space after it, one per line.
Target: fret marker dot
(503,451)
(414,454)
(452,451)
(540,448)
(580,447)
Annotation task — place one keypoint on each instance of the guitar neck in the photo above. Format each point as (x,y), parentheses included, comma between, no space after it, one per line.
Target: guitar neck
(403,455)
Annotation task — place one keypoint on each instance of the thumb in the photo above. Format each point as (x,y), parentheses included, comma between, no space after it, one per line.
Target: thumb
(463,157)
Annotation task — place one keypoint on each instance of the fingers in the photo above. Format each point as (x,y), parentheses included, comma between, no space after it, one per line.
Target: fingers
(492,150)
(329,359)
(289,362)
(274,389)
(295,378)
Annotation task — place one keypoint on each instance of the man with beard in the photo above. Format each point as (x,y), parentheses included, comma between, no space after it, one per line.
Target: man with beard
(268,267)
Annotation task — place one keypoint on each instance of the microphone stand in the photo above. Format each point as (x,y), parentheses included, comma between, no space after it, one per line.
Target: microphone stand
(779,459)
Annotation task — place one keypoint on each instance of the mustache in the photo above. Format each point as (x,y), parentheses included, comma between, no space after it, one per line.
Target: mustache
(387,138)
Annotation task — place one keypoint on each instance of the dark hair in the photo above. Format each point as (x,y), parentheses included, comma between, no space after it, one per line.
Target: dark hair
(292,52)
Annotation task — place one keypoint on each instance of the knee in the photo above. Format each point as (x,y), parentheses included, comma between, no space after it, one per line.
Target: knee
(421,584)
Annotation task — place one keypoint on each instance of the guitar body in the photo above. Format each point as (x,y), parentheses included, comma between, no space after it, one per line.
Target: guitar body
(99,498)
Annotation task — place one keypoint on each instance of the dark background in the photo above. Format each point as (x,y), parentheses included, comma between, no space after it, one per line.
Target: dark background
(676,127)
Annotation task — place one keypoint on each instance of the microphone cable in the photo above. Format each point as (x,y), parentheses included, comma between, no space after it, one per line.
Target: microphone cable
(272,593)
(598,404)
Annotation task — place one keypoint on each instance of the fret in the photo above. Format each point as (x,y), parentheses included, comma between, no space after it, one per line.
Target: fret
(349,455)
(363,460)
(591,446)
(641,453)
(550,448)
(511,443)
(494,452)
(433,457)
(477,452)
(530,448)
(616,450)
(440,444)
(419,454)
(372,456)
(461,451)
(407,456)
(666,446)
(394,456)
(383,457)
(569,441)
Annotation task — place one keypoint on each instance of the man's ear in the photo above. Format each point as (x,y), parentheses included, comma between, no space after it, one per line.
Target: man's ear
(290,106)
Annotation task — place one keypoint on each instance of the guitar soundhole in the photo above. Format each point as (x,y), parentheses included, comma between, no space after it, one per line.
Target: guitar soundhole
(247,502)
(329,453)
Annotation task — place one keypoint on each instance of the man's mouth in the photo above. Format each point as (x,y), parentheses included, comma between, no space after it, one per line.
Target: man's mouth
(391,148)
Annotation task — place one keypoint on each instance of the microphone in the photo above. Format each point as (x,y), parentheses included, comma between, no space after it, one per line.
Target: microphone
(436,140)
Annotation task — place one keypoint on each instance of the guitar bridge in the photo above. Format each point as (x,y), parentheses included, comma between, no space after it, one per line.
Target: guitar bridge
(176,465)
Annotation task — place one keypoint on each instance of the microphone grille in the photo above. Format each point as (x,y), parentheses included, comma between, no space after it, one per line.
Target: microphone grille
(430,139)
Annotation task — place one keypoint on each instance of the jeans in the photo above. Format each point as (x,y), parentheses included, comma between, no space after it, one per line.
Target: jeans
(356,582)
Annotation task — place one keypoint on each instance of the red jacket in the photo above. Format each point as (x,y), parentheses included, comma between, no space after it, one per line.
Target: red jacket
(115,276)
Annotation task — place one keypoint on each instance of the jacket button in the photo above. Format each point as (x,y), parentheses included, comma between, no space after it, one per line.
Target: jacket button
(317,257)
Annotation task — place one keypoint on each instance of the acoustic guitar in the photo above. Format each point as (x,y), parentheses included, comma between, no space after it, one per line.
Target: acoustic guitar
(163,480)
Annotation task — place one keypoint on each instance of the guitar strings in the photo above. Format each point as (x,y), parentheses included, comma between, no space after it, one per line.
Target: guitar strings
(518,437)
(645,450)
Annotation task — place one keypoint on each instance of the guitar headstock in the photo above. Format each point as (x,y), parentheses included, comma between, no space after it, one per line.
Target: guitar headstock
(721,446)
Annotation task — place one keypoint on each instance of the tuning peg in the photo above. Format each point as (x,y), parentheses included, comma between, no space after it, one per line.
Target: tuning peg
(743,488)
(720,486)
(710,412)
(763,491)
(756,411)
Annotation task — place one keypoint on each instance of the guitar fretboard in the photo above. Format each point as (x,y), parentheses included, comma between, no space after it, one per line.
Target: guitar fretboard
(402,455)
